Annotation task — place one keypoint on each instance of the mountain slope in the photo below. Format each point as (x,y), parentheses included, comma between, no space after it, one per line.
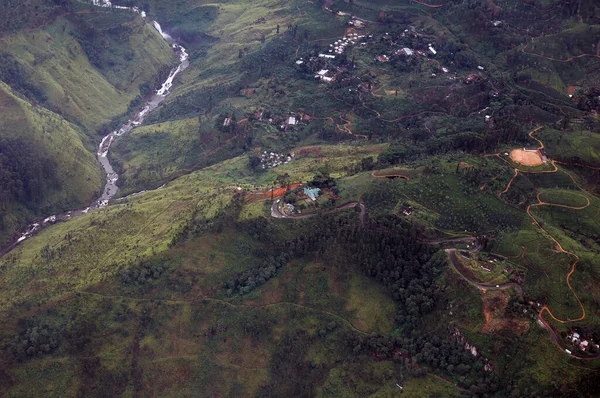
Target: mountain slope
(91,67)
(67,174)
(63,83)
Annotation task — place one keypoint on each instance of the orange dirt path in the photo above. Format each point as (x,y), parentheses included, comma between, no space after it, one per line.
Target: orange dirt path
(559,247)
(558,59)
(277,192)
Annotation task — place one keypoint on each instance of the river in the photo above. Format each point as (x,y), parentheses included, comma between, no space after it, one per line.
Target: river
(111,188)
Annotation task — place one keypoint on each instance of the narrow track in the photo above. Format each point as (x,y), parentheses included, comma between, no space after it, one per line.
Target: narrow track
(559,247)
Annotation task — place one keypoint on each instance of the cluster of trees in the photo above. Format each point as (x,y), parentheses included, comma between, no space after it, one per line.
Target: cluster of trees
(387,250)
(36,340)
(268,59)
(443,354)
(517,308)
(143,273)
(102,46)
(254,162)
(390,252)
(321,180)
(17,78)
(505,129)
(589,100)
(254,277)
(521,191)
(26,174)
(17,14)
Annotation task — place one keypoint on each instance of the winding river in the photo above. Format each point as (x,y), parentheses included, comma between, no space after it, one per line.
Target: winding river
(110,188)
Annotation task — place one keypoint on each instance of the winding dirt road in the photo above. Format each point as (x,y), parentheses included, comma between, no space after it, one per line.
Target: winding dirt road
(558,59)
(559,248)
(558,341)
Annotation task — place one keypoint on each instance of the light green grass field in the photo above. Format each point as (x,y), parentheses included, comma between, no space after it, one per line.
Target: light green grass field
(56,62)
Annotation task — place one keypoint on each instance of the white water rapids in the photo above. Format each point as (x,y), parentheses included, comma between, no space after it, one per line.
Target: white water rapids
(110,189)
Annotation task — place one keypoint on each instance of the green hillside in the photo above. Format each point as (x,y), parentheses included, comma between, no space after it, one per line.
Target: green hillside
(190,278)
(337,199)
(68,176)
(91,67)
(64,83)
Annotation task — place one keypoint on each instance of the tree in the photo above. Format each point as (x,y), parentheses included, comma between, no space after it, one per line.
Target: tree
(283,180)
(254,162)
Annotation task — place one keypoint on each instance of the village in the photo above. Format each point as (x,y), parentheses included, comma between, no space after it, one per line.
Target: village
(269,160)
(406,47)
(341,63)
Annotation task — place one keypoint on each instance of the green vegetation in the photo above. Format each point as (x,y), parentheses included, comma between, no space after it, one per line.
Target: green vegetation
(575,145)
(65,81)
(91,67)
(194,286)
(45,167)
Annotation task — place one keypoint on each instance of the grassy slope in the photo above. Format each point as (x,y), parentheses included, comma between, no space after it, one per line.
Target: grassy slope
(178,347)
(234,359)
(151,154)
(56,62)
(53,60)
(576,144)
(105,239)
(79,174)
(233,25)
(164,150)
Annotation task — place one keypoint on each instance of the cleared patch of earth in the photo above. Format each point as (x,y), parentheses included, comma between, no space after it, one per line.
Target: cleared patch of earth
(526,158)
(494,306)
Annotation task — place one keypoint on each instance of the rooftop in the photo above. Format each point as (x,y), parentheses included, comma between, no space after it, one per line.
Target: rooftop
(312,193)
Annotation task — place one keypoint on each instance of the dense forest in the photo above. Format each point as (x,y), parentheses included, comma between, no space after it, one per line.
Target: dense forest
(26,174)
(18,14)
(387,249)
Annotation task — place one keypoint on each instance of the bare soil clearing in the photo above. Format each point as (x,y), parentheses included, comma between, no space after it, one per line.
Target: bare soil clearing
(526,158)
(494,307)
